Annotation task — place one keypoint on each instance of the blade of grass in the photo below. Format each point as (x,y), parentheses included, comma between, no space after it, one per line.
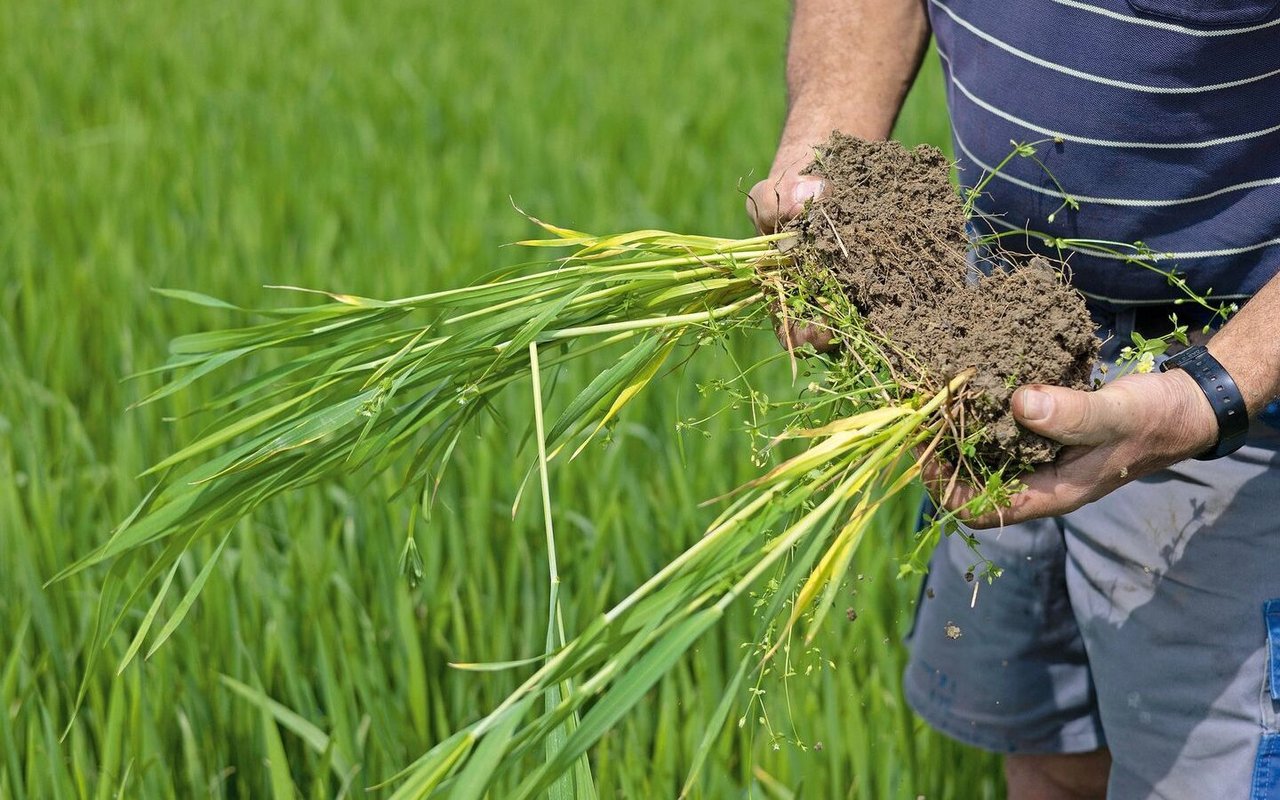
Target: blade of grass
(316,739)
(188,599)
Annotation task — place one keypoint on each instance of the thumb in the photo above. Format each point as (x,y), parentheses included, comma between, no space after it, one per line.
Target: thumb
(775,201)
(804,190)
(1070,416)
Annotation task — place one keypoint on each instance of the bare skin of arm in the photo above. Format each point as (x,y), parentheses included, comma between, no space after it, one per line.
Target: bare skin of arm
(849,66)
(1140,423)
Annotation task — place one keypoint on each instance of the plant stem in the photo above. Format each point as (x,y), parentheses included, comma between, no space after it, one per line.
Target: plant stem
(651,322)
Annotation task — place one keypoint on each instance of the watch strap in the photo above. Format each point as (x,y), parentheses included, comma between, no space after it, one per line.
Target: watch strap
(1223,395)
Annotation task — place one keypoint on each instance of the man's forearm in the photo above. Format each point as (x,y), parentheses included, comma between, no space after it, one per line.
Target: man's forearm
(1249,347)
(850,64)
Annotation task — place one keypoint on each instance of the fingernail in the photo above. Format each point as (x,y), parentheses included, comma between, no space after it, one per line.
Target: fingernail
(805,191)
(1036,405)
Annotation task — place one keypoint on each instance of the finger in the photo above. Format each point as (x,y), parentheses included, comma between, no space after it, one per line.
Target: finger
(1073,417)
(942,480)
(954,495)
(1022,507)
(1079,475)
(1027,505)
(794,335)
(1046,492)
(933,473)
(961,494)
(816,334)
(775,201)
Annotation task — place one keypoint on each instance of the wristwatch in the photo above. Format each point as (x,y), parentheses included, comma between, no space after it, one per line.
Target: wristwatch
(1224,396)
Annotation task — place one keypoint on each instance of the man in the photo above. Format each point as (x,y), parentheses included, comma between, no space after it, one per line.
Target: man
(1124,651)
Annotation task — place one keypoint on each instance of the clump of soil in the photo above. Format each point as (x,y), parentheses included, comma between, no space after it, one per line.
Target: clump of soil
(890,231)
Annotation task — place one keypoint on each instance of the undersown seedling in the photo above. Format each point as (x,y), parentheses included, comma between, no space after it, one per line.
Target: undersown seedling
(1140,357)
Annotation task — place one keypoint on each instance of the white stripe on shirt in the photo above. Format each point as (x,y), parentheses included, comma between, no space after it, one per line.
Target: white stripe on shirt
(1153,257)
(1097,142)
(1168,26)
(1137,87)
(1115,201)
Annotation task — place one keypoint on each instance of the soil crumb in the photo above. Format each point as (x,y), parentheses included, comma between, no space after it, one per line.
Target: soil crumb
(890,231)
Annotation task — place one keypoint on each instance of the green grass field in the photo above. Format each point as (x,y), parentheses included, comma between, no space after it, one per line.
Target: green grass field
(376,149)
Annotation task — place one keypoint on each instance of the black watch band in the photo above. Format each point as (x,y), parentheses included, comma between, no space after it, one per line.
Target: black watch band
(1224,396)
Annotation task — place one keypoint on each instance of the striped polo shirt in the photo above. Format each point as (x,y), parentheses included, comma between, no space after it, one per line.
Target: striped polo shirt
(1160,118)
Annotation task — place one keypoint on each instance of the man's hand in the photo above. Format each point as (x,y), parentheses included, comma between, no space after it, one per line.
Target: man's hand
(773,203)
(1129,428)
(1134,426)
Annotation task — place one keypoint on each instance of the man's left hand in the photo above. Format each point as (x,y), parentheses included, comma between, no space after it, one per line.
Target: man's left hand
(1129,428)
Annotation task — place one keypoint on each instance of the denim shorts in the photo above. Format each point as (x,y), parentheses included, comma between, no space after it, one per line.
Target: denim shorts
(1135,623)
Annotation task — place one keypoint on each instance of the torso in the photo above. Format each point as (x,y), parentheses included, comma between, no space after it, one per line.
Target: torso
(1165,128)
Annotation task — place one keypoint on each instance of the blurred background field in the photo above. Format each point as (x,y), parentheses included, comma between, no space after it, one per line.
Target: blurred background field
(376,149)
